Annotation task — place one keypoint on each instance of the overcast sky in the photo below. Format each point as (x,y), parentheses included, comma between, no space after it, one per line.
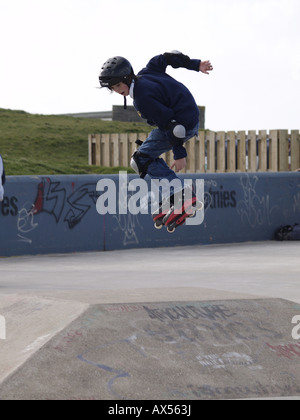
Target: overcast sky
(52,52)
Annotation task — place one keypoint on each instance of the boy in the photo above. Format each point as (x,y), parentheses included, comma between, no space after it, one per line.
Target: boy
(163,102)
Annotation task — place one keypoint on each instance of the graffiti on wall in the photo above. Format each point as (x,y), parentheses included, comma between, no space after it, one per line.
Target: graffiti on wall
(255,209)
(52,198)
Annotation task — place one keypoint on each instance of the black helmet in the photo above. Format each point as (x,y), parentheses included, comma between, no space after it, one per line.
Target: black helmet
(115,70)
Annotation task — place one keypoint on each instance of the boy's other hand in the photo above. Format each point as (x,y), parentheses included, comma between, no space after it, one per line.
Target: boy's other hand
(179,164)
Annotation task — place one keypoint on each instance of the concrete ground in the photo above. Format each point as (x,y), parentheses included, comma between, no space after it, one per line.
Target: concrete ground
(184,323)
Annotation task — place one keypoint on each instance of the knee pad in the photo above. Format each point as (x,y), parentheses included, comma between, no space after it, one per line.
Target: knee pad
(176,133)
(134,164)
(137,166)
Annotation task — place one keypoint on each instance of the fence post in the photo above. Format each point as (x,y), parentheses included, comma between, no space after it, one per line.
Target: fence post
(220,139)
(114,150)
(192,155)
(283,164)
(231,152)
(105,150)
(211,166)
(97,149)
(132,146)
(202,151)
(252,151)
(124,150)
(273,151)
(262,151)
(241,151)
(295,150)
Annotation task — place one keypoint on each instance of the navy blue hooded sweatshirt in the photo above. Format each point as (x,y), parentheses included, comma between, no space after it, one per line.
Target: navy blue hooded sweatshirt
(159,98)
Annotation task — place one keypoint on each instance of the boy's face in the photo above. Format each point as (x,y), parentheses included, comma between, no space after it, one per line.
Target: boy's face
(121,88)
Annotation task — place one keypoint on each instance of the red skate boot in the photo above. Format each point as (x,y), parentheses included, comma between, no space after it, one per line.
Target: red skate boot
(160,213)
(184,207)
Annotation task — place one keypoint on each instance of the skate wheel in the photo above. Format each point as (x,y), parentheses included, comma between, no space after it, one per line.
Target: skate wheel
(170,230)
(158,226)
(201,206)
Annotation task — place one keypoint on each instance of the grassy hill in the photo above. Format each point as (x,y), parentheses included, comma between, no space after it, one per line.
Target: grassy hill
(33,144)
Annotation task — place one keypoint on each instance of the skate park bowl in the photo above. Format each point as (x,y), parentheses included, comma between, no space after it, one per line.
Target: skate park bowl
(89,326)
(210,315)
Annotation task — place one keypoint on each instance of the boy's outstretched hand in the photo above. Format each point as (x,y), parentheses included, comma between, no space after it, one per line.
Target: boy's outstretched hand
(205,67)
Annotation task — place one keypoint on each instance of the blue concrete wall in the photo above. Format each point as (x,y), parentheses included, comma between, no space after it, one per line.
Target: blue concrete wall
(57,214)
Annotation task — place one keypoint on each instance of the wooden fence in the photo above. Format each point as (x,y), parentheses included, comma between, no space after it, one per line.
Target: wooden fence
(278,150)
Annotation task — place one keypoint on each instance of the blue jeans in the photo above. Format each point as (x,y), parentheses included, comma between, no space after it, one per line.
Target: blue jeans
(155,145)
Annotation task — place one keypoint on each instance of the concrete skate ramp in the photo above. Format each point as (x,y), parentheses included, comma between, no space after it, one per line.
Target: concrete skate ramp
(222,349)
(30,322)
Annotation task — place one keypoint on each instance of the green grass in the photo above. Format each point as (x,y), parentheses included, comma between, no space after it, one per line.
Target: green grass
(32,144)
